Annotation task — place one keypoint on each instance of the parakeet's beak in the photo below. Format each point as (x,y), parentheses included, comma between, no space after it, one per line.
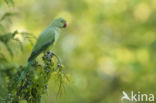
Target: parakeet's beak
(65,25)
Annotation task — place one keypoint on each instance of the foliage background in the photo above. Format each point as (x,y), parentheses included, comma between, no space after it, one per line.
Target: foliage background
(108,46)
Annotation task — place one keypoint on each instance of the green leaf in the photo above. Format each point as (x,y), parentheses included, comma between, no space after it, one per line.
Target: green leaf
(9,2)
(20,43)
(7,15)
(9,50)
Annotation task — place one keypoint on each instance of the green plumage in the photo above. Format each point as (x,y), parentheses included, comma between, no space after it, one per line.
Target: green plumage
(46,39)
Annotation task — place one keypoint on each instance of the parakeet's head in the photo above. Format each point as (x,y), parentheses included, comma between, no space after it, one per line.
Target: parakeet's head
(59,22)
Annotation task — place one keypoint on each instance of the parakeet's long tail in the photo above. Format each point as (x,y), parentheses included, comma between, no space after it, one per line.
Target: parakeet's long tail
(25,71)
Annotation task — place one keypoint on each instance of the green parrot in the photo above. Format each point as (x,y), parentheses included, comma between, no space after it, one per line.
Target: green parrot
(44,41)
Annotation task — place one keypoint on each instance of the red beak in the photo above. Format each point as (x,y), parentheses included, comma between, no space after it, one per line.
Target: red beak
(65,24)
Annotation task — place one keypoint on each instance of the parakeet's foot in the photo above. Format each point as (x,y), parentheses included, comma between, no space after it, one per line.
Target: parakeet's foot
(51,54)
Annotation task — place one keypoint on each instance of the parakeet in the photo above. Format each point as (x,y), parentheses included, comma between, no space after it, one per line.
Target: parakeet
(44,41)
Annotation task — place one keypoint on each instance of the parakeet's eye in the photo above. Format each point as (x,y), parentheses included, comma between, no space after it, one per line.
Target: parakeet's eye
(62,21)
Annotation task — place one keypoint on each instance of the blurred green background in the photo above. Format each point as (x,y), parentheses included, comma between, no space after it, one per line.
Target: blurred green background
(109,45)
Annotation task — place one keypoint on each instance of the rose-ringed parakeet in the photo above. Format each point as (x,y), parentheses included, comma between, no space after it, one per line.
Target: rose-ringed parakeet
(44,41)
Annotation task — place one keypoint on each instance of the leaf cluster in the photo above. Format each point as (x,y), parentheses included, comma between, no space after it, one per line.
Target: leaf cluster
(35,83)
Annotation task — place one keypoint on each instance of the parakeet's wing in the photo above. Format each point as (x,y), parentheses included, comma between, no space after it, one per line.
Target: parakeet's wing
(44,41)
